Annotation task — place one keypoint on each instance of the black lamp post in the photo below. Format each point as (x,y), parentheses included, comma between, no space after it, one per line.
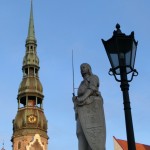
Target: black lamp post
(121,51)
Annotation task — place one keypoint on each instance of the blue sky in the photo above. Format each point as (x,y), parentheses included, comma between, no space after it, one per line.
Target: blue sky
(61,26)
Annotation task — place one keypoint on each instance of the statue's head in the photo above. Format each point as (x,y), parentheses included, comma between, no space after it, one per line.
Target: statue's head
(85,69)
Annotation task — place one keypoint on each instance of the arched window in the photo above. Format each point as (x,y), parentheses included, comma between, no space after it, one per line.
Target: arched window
(19,145)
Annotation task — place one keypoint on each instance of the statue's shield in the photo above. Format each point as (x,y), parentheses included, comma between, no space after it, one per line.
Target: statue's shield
(92,120)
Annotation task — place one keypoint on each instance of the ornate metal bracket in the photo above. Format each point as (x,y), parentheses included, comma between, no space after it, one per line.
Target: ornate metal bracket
(112,73)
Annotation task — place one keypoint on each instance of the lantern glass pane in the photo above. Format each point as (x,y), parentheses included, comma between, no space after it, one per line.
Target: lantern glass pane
(133,54)
(128,58)
(114,60)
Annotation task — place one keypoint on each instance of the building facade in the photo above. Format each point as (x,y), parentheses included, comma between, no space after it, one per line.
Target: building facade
(30,124)
(122,145)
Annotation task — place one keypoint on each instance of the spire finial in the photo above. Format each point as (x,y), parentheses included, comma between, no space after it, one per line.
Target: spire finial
(31,33)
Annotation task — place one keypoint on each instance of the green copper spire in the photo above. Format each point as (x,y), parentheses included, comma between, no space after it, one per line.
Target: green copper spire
(30,124)
(31,33)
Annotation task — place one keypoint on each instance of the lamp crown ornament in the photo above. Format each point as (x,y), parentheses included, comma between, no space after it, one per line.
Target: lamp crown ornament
(118,31)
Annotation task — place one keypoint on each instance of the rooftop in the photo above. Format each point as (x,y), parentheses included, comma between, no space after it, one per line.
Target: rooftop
(124,146)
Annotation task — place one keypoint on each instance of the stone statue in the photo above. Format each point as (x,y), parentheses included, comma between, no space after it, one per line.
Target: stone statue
(88,105)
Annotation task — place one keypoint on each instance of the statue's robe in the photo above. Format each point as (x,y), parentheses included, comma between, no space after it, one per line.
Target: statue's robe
(91,114)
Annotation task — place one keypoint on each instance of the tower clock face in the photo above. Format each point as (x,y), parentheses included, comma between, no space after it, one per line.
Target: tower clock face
(32,119)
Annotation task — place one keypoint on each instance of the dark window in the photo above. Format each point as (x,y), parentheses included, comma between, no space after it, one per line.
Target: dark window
(26,71)
(19,145)
(31,71)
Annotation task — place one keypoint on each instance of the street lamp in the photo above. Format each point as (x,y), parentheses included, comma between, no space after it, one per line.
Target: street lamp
(121,51)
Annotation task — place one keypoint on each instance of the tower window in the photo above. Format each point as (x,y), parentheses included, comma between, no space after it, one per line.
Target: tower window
(26,71)
(19,145)
(31,101)
(23,102)
(31,71)
(36,72)
(27,48)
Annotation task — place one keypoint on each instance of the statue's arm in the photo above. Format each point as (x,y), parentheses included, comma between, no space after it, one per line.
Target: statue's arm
(94,83)
(85,95)
(92,87)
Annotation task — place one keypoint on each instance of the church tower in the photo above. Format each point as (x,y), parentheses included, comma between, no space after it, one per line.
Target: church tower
(30,124)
